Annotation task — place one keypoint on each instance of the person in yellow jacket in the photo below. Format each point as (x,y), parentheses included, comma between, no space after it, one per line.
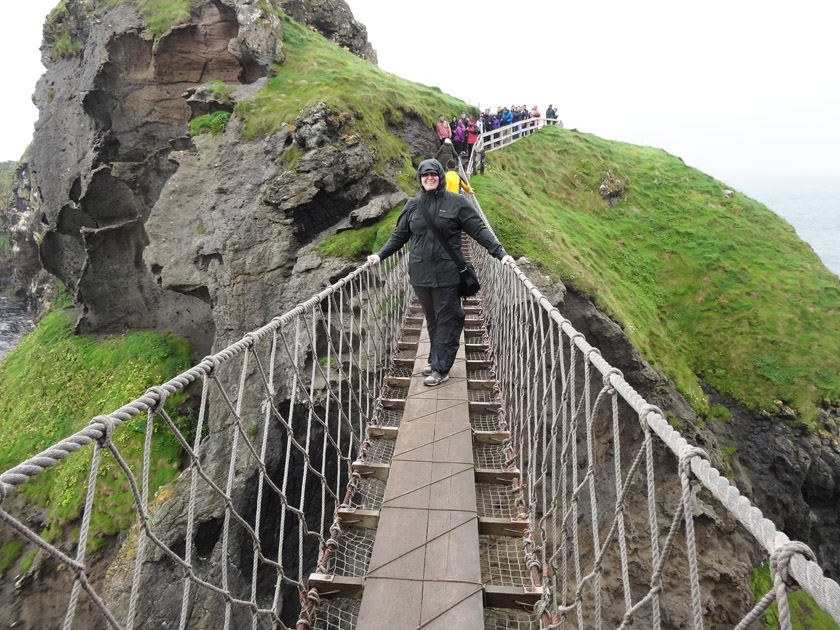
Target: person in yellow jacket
(454,182)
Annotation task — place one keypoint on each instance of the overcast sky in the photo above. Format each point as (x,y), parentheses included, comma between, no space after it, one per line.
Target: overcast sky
(741,89)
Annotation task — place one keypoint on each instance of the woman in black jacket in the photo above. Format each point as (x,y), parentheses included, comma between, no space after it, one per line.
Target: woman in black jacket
(432,272)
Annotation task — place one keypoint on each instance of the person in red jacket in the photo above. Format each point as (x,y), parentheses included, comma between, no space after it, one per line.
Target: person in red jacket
(534,115)
(472,135)
(443,130)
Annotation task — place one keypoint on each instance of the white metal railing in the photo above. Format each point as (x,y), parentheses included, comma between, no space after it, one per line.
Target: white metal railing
(507,135)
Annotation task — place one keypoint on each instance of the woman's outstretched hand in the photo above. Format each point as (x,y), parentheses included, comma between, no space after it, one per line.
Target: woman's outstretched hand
(373,259)
(507,260)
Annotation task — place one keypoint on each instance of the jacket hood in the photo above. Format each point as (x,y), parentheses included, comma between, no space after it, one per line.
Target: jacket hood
(432,165)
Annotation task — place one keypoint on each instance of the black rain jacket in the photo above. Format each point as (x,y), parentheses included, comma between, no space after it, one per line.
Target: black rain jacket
(428,263)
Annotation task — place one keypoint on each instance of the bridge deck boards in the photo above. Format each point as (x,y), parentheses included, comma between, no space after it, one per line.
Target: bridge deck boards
(425,568)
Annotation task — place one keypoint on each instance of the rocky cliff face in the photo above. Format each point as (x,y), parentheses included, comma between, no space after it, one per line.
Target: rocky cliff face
(790,473)
(335,21)
(112,134)
(150,229)
(22,276)
(210,236)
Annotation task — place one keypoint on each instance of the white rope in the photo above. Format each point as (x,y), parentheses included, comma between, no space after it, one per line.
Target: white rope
(369,337)
(343,338)
(565,556)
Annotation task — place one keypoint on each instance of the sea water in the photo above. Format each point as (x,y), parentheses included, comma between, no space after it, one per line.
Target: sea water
(811,206)
(14,324)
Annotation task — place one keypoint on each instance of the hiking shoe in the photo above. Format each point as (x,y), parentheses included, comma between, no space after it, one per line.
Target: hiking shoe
(435,378)
(427,371)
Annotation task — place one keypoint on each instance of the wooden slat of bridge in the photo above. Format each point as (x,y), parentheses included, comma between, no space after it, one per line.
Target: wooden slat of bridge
(424,570)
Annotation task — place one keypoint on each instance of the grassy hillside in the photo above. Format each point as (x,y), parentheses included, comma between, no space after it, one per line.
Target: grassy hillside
(317,69)
(7,171)
(53,383)
(712,289)
(709,287)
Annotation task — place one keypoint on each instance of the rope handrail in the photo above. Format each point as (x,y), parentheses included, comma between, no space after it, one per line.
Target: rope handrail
(295,398)
(309,380)
(37,464)
(799,563)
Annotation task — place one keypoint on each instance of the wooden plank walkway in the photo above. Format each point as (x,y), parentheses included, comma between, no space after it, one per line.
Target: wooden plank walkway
(424,570)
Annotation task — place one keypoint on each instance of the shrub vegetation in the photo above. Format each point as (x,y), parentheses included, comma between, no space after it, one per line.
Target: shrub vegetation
(716,289)
(363,96)
(215,123)
(804,612)
(53,383)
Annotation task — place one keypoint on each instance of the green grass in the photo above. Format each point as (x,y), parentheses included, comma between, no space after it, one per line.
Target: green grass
(158,16)
(220,91)
(215,123)
(720,412)
(715,288)
(53,383)
(58,28)
(7,176)
(27,560)
(161,15)
(9,553)
(805,614)
(356,243)
(357,91)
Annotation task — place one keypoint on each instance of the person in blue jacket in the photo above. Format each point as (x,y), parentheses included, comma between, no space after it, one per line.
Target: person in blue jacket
(432,273)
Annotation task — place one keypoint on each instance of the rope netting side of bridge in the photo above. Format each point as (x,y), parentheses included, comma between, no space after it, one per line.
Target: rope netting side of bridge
(232,541)
(588,448)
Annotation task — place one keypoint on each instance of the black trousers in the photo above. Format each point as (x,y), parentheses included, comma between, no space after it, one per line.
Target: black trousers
(445,321)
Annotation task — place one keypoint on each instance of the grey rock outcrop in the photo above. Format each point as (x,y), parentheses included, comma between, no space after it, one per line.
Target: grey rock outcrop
(113,112)
(411,130)
(611,190)
(791,471)
(232,221)
(150,229)
(376,209)
(22,276)
(333,19)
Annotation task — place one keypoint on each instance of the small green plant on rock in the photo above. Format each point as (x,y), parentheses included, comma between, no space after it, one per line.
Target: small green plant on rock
(58,28)
(719,412)
(161,15)
(9,553)
(220,91)
(214,123)
(804,612)
(27,560)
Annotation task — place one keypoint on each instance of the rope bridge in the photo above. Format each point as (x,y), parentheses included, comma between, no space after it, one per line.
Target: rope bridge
(272,522)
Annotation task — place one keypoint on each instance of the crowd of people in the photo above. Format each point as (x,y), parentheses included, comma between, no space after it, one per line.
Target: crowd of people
(463,132)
